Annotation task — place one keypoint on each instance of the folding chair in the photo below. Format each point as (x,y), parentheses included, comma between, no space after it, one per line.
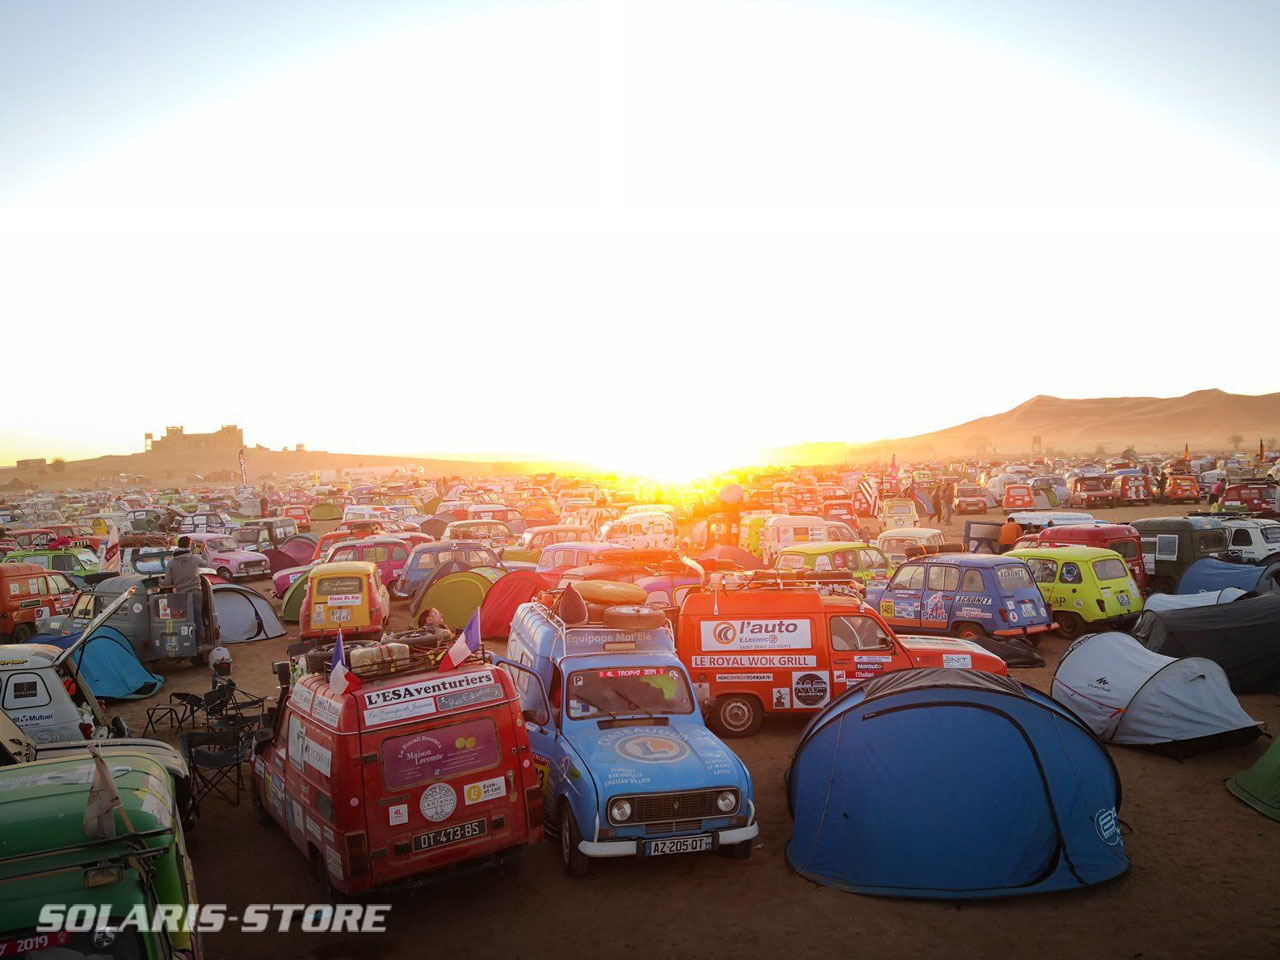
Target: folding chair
(188,708)
(214,760)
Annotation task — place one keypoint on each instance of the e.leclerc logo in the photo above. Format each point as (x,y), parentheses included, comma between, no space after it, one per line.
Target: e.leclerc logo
(648,748)
(725,633)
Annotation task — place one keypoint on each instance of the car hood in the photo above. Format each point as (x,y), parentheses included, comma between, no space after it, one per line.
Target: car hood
(654,758)
(940,645)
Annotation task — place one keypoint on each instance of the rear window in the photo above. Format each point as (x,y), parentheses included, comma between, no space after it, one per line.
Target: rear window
(453,751)
(328,586)
(1013,577)
(1110,569)
(1209,541)
(1126,548)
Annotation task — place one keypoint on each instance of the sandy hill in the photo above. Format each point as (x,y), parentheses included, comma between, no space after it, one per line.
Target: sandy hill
(1203,419)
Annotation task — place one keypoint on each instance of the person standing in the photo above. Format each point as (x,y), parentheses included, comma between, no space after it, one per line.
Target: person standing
(1162,481)
(948,499)
(1218,490)
(1010,531)
(935,495)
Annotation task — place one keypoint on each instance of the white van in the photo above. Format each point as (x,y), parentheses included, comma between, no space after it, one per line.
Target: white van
(641,531)
(894,543)
(368,511)
(780,532)
(42,693)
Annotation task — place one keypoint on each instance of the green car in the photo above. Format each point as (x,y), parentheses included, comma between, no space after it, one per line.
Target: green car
(49,863)
(865,562)
(76,561)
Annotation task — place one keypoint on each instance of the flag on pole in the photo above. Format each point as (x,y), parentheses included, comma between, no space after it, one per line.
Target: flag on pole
(341,680)
(110,562)
(893,467)
(1186,452)
(243,481)
(870,494)
(468,642)
(104,800)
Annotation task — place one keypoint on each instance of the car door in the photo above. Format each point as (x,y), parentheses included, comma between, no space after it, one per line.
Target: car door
(942,580)
(900,604)
(860,649)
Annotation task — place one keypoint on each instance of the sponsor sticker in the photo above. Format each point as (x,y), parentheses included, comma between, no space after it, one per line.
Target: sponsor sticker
(744,678)
(429,696)
(490,789)
(782,698)
(343,599)
(810,689)
(651,748)
(727,661)
(438,802)
(957,660)
(317,756)
(756,635)
(398,814)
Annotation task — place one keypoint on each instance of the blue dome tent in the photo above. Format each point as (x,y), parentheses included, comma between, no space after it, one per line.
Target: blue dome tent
(952,784)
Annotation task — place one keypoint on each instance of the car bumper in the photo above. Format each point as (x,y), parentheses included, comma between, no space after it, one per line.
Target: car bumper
(1020,631)
(630,848)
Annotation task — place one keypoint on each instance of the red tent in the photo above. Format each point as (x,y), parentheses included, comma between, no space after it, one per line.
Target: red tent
(500,603)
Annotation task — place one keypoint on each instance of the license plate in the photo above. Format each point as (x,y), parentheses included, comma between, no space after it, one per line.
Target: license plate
(455,834)
(1123,598)
(658,848)
(339,616)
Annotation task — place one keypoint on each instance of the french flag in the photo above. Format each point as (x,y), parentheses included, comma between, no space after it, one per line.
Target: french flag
(341,680)
(468,642)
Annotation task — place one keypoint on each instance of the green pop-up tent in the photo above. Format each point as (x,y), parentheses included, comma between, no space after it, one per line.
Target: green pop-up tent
(1259,786)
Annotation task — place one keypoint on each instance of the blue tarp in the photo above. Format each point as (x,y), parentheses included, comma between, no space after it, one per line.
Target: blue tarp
(108,663)
(952,784)
(1210,574)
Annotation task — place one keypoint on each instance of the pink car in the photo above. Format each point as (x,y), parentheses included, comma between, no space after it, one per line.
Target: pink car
(388,554)
(221,552)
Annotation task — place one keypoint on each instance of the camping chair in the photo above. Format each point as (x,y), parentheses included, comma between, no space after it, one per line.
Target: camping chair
(214,760)
(192,708)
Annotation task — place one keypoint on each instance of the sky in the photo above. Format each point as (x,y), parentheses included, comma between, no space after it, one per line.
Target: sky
(643,234)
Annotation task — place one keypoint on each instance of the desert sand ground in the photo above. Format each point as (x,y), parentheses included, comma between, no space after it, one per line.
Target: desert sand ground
(1204,880)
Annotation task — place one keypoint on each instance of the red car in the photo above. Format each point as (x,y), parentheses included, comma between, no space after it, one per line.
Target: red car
(416,775)
(1120,537)
(1087,493)
(1255,496)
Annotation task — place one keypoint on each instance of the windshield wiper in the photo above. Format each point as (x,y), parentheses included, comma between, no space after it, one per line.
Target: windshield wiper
(638,708)
(591,703)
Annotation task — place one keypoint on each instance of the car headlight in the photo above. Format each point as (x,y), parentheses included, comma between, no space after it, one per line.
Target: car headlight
(620,811)
(727,801)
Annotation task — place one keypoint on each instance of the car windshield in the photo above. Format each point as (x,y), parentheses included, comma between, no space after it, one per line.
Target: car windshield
(222,544)
(110,943)
(1271,534)
(1110,569)
(628,690)
(87,557)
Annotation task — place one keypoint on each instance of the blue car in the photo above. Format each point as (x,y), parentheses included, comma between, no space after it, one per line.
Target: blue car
(627,766)
(427,558)
(966,595)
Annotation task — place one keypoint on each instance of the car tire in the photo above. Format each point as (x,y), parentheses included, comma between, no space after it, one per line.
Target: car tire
(968,631)
(575,862)
(22,633)
(737,851)
(633,617)
(201,659)
(736,716)
(224,573)
(1069,624)
(260,812)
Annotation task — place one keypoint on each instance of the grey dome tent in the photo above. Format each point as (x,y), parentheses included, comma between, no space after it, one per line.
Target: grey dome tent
(1128,694)
(244,615)
(1173,601)
(1242,637)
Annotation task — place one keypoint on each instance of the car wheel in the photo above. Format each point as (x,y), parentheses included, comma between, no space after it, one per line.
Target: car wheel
(1069,624)
(224,573)
(201,659)
(574,861)
(23,632)
(736,716)
(259,807)
(967,631)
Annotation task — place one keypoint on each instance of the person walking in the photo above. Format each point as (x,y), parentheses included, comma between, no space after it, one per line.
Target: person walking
(1216,493)
(1010,531)
(1162,481)
(948,500)
(935,495)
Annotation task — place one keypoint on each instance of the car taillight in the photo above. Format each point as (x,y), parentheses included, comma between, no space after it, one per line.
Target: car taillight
(357,854)
(1004,614)
(533,804)
(1102,604)
(86,729)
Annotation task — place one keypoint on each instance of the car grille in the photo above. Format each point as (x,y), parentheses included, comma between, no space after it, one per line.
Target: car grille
(666,807)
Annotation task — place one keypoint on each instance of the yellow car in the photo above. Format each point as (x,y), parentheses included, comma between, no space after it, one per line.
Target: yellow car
(1083,586)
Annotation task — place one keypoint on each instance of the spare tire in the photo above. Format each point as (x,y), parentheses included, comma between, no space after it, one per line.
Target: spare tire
(639,616)
(319,658)
(609,593)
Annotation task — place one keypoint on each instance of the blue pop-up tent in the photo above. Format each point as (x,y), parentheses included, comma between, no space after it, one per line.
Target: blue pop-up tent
(107,661)
(1210,574)
(948,783)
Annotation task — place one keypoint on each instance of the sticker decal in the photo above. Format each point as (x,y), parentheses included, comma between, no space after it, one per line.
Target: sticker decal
(438,802)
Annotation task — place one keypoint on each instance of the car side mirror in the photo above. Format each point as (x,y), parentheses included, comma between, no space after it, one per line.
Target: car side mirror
(538,717)
(263,736)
